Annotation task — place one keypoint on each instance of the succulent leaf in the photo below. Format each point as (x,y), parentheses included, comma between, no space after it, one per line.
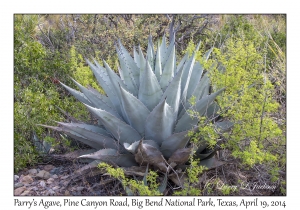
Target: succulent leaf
(96,101)
(78,95)
(107,155)
(133,147)
(97,135)
(119,129)
(173,93)
(173,143)
(136,112)
(129,66)
(160,123)
(195,78)
(158,69)
(186,122)
(150,92)
(168,70)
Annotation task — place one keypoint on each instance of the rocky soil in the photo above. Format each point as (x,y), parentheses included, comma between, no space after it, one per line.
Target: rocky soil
(50,180)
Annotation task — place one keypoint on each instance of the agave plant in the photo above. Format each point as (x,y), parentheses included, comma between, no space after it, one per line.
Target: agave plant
(143,119)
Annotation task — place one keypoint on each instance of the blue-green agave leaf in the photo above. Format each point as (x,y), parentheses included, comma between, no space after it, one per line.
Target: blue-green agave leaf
(145,176)
(174,142)
(96,101)
(173,92)
(211,163)
(163,49)
(168,53)
(136,112)
(129,66)
(224,125)
(118,128)
(186,122)
(202,89)
(168,70)
(88,127)
(133,147)
(75,136)
(162,187)
(160,123)
(207,155)
(195,78)
(158,69)
(182,62)
(186,76)
(78,95)
(112,155)
(103,98)
(150,52)
(129,79)
(102,138)
(212,111)
(104,81)
(136,58)
(150,92)
(207,54)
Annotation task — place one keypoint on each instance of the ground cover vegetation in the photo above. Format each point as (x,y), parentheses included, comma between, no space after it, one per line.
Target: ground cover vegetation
(243,53)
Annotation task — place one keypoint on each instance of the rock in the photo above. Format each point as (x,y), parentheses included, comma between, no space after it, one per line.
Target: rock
(65,183)
(19,191)
(42,184)
(32,172)
(19,184)
(48,167)
(54,176)
(50,181)
(26,192)
(50,192)
(56,170)
(26,179)
(43,174)
(35,188)
(79,189)
(67,193)
(64,177)
(16,177)
(55,188)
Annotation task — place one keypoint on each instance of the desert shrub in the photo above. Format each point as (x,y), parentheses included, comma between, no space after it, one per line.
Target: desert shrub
(37,93)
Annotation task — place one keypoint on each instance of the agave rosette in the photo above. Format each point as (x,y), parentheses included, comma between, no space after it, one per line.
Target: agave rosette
(143,118)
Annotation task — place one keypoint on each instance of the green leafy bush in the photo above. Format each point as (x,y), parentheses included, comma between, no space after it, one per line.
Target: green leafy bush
(248,101)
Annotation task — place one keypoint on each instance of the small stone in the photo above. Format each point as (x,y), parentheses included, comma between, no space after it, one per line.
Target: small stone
(50,180)
(16,177)
(55,188)
(43,174)
(32,172)
(19,190)
(65,183)
(26,192)
(54,176)
(64,177)
(48,167)
(42,184)
(57,170)
(80,188)
(17,185)
(67,193)
(35,188)
(50,192)
(27,179)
